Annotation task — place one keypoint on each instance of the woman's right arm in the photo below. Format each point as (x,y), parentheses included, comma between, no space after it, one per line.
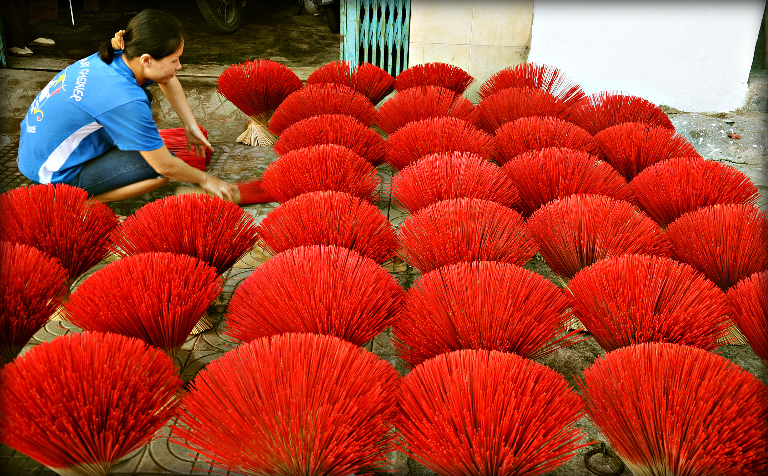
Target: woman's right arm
(172,167)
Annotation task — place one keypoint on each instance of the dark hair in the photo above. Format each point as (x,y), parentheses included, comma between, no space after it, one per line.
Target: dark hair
(153,32)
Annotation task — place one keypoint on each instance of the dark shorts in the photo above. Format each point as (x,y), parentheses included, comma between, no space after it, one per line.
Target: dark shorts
(112,170)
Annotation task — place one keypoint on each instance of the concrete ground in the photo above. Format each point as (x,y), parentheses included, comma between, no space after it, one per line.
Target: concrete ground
(303,43)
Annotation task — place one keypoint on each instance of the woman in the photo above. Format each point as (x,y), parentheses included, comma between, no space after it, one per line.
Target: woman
(92,125)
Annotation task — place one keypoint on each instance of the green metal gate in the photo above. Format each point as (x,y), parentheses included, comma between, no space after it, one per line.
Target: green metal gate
(376,31)
(3,60)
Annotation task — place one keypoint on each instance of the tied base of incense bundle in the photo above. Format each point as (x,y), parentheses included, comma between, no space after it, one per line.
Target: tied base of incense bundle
(257,132)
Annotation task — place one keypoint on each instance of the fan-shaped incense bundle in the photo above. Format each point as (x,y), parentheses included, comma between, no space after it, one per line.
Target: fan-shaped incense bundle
(632,299)
(155,297)
(329,218)
(632,147)
(576,231)
(667,190)
(725,242)
(60,221)
(673,409)
(208,228)
(318,289)
(423,102)
(449,175)
(327,167)
(300,403)
(488,413)
(511,104)
(366,78)
(548,174)
(84,401)
(605,109)
(749,305)
(444,75)
(337,129)
(257,88)
(531,75)
(32,287)
(482,305)
(317,99)
(535,133)
(464,229)
(430,136)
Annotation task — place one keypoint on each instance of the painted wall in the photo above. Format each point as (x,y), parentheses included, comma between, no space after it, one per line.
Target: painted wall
(694,56)
(480,36)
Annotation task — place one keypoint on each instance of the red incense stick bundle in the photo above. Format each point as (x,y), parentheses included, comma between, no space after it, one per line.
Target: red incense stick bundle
(464,229)
(725,242)
(60,221)
(175,139)
(32,287)
(511,104)
(667,190)
(84,401)
(448,175)
(482,305)
(488,413)
(327,167)
(605,109)
(317,99)
(423,102)
(673,409)
(366,78)
(318,289)
(297,403)
(434,74)
(531,75)
(749,306)
(632,299)
(337,129)
(155,297)
(430,136)
(632,147)
(548,174)
(329,218)
(535,133)
(257,88)
(576,231)
(208,228)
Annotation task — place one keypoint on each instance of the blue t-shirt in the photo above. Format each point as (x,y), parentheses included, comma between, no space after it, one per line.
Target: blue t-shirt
(87,109)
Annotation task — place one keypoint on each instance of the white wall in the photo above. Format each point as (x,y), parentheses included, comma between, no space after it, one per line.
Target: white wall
(694,56)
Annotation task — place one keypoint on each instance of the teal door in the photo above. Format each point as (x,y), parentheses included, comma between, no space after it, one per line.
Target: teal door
(376,31)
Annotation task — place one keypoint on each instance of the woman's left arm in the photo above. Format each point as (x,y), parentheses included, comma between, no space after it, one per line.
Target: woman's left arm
(175,94)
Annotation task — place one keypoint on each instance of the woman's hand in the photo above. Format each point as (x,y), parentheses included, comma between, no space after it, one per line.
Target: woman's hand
(196,140)
(220,188)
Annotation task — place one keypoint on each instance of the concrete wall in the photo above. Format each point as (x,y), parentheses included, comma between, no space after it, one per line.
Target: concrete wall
(691,55)
(480,36)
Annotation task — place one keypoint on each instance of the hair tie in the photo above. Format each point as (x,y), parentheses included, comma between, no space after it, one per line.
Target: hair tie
(117,41)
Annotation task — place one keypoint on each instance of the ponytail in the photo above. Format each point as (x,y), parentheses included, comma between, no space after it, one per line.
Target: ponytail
(151,32)
(106,52)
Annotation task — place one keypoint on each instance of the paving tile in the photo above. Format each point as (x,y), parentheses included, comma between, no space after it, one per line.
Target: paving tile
(165,457)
